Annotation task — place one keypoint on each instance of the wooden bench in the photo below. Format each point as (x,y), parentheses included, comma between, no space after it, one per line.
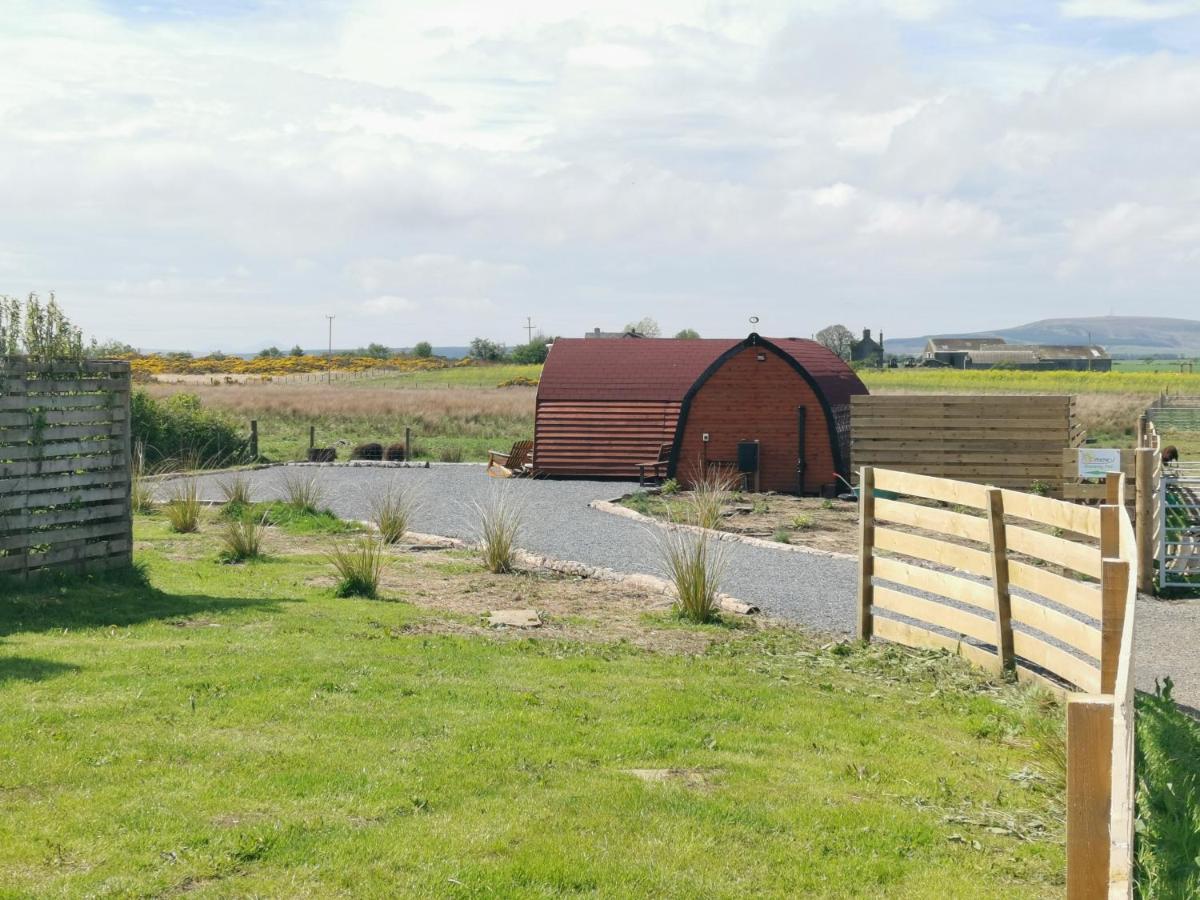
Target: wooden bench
(658,467)
(516,462)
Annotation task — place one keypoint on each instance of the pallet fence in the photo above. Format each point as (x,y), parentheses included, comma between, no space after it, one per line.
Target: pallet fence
(64,465)
(1011,441)
(972,568)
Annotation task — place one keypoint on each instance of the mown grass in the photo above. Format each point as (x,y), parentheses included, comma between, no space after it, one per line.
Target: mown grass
(289,518)
(237,730)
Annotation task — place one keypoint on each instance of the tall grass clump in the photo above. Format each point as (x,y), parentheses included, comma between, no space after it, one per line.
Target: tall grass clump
(236,491)
(141,497)
(303,493)
(392,512)
(500,520)
(241,539)
(359,567)
(183,507)
(694,563)
(710,493)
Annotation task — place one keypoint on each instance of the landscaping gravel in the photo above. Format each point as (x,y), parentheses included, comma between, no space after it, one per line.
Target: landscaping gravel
(815,590)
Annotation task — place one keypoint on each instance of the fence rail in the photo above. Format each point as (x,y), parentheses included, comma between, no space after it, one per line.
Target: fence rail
(64,465)
(980,579)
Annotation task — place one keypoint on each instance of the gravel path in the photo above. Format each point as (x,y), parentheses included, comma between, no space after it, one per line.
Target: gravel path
(815,590)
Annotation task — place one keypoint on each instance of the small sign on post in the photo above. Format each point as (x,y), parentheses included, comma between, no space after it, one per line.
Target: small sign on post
(1095,462)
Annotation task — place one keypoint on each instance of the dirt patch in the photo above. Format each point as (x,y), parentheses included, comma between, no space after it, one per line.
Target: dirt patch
(693,778)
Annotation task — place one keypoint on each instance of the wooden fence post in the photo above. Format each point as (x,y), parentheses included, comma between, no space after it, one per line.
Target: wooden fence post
(1114,487)
(1114,587)
(1110,531)
(407,442)
(1144,484)
(312,436)
(866,551)
(1089,795)
(1141,431)
(254,439)
(999,546)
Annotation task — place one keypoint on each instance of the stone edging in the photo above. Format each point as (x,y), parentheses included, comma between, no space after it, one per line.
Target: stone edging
(650,583)
(614,508)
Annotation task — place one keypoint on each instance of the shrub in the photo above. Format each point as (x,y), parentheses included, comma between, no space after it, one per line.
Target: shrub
(394,453)
(236,491)
(392,512)
(670,486)
(360,568)
(183,507)
(241,539)
(803,521)
(177,429)
(303,493)
(322,454)
(694,564)
(372,452)
(826,503)
(782,536)
(710,493)
(500,520)
(451,453)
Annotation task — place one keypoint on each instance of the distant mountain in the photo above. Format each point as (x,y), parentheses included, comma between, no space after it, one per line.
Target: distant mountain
(1121,335)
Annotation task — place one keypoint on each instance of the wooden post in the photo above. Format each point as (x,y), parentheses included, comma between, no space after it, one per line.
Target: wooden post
(866,551)
(407,442)
(1089,795)
(1141,431)
(1110,531)
(312,436)
(1144,484)
(1114,587)
(254,438)
(999,546)
(1114,486)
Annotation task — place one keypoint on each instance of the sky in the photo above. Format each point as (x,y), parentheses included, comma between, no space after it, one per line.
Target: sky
(225,174)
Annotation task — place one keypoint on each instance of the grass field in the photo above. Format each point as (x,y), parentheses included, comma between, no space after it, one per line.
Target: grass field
(236,730)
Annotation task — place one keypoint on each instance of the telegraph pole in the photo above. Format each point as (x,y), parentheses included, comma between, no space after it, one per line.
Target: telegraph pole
(529,328)
(329,355)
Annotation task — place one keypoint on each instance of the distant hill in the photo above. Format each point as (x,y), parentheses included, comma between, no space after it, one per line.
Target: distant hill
(1135,336)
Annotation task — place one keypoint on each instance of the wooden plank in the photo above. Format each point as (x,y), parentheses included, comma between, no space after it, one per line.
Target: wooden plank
(1089,795)
(953,555)
(10,402)
(1000,586)
(1054,513)
(58,449)
(876,432)
(924,639)
(78,534)
(60,498)
(1065,665)
(66,464)
(933,613)
(955,524)
(1071,631)
(866,551)
(108,384)
(65,556)
(1082,558)
(29,484)
(24,520)
(931,488)
(61,433)
(1076,595)
(953,587)
(61,417)
(1114,594)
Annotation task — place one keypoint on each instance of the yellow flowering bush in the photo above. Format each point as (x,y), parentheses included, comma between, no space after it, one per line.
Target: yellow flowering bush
(274,366)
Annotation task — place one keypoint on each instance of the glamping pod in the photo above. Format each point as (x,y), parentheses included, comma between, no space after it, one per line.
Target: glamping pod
(776,410)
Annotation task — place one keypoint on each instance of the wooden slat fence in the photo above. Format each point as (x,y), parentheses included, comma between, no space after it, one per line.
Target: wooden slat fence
(1042,587)
(65,473)
(1011,441)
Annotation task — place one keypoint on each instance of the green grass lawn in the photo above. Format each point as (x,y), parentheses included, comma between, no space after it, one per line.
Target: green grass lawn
(477,375)
(237,730)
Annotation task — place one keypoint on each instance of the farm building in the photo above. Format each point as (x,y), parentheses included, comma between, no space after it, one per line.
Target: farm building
(988,353)
(604,408)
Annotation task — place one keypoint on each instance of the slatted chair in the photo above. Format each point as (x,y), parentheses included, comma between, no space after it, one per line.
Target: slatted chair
(658,468)
(516,462)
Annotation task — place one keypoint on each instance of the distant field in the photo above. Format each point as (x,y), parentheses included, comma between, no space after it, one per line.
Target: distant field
(1147,383)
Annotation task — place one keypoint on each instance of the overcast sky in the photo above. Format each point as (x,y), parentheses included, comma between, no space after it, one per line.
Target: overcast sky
(224,173)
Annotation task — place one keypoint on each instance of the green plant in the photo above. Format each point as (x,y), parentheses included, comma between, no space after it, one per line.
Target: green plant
(178,428)
(359,566)
(241,539)
(761,507)
(500,519)
(141,496)
(236,491)
(782,536)
(303,492)
(670,486)
(183,507)
(803,520)
(450,453)
(392,512)
(826,503)
(1040,488)
(43,332)
(694,564)
(710,493)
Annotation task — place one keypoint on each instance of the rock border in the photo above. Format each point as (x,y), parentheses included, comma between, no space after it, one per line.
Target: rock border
(614,508)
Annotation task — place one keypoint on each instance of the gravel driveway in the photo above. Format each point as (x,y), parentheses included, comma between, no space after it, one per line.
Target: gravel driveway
(814,590)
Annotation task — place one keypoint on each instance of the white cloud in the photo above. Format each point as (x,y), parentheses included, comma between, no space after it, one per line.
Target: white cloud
(1138,10)
(388,304)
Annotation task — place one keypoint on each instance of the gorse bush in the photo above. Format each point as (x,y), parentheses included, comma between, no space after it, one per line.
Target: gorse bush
(360,568)
(392,512)
(178,429)
(183,507)
(241,539)
(500,519)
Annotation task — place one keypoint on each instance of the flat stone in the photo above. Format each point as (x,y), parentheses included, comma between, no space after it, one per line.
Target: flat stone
(514,618)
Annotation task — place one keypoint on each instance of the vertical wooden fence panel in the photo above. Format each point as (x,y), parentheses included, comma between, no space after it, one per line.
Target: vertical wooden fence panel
(65,467)
(1089,795)
(866,556)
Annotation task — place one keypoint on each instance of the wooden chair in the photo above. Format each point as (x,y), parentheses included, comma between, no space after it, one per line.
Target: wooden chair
(516,462)
(658,467)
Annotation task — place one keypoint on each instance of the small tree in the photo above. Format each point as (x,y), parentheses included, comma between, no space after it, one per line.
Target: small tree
(297,351)
(533,353)
(376,351)
(646,327)
(687,334)
(39,331)
(836,338)
(487,351)
(270,353)
(423,350)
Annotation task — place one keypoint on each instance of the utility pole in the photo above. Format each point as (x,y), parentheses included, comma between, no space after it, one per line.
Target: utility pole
(529,328)
(329,355)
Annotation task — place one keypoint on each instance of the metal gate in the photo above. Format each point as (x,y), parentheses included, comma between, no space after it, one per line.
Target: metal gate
(1179,526)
